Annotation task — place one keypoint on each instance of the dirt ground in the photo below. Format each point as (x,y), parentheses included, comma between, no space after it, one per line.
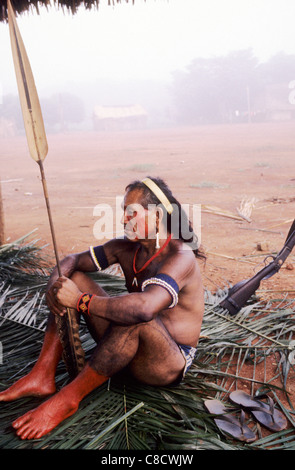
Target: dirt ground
(219,166)
(215,166)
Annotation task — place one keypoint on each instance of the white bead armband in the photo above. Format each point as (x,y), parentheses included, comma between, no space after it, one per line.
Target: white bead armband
(165,281)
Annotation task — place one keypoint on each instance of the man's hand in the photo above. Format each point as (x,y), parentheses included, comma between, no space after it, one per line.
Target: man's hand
(66,294)
(54,306)
(68,266)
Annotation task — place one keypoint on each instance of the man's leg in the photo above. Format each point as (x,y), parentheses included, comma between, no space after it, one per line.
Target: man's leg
(147,349)
(40,421)
(41,379)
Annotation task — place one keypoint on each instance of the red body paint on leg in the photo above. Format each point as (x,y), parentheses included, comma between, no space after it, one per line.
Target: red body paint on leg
(40,421)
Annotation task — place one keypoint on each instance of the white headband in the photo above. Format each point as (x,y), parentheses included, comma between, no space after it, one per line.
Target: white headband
(159,193)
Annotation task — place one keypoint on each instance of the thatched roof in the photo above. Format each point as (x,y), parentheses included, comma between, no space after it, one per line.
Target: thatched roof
(119,112)
(70,5)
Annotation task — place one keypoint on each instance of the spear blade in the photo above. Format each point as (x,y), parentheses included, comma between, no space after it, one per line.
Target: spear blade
(29,100)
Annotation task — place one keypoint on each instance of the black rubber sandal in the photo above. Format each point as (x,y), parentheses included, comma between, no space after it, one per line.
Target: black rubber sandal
(228,423)
(265,413)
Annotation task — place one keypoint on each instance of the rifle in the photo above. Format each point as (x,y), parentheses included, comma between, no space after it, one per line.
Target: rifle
(243,290)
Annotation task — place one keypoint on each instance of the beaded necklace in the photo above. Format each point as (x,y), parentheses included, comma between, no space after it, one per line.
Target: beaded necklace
(134,282)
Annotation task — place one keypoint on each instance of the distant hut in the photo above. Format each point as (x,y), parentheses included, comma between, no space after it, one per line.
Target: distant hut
(107,118)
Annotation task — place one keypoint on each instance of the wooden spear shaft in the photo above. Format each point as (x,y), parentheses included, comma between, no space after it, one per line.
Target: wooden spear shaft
(37,142)
(67,326)
(46,197)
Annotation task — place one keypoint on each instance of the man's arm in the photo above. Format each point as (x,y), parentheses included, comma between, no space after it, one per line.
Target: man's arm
(82,262)
(70,264)
(125,309)
(135,307)
(75,262)
(138,307)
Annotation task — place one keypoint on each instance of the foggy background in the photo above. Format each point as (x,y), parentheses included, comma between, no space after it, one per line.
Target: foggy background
(181,61)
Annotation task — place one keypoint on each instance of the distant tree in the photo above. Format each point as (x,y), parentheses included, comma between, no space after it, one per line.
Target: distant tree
(10,109)
(195,92)
(237,75)
(279,69)
(63,109)
(59,110)
(214,89)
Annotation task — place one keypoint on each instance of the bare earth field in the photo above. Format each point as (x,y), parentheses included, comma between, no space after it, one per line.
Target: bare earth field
(216,166)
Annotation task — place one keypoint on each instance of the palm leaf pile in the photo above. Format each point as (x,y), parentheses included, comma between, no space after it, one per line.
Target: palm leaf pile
(233,352)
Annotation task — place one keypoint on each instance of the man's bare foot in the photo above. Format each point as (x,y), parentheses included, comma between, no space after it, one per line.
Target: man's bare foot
(40,421)
(30,385)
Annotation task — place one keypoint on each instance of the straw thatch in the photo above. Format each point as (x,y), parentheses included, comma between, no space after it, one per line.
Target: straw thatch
(69,5)
(124,414)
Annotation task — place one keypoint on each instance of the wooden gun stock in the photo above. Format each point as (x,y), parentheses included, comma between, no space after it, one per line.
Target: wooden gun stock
(243,290)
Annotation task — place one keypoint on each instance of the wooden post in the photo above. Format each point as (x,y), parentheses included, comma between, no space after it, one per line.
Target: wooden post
(1,219)
(249,104)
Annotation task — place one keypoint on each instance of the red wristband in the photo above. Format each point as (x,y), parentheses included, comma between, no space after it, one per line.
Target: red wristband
(84,303)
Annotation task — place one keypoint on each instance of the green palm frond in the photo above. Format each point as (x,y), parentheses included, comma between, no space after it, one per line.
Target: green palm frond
(22,263)
(123,414)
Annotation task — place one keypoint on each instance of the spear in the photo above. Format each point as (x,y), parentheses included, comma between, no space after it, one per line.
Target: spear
(67,325)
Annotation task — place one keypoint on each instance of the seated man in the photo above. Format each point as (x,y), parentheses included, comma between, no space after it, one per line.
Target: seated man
(152,330)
